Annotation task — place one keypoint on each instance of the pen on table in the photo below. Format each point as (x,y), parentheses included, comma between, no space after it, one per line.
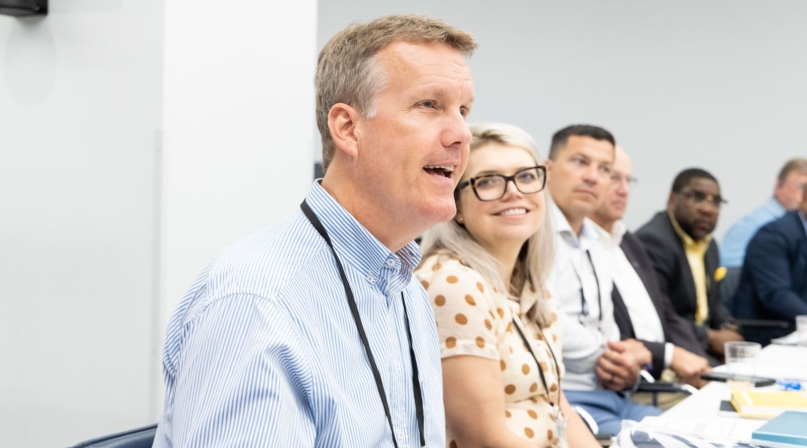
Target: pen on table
(789,384)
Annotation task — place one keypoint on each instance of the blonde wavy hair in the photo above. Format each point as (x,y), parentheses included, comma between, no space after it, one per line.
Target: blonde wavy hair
(451,239)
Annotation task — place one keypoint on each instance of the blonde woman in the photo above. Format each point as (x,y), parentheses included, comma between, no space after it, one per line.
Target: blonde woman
(498,331)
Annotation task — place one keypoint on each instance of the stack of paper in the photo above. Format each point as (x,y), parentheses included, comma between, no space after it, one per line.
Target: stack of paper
(791,339)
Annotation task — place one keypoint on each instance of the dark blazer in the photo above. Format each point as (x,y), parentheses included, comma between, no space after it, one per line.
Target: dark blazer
(773,283)
(676,330)
(674,275)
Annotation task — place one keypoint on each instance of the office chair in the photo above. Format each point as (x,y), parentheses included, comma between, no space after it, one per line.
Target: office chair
(729,285)
(759,330)
(134,438)
(604,439)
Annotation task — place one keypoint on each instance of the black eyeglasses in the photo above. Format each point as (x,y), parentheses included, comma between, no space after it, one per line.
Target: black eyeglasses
(698,198)
(490,187)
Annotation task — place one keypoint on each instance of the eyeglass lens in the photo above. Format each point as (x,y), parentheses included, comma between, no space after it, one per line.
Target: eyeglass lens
(699,197)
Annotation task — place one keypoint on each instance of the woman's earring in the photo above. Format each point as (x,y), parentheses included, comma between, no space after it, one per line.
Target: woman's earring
(459,219)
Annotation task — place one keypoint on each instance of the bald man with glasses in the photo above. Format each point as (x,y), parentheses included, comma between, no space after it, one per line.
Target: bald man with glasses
(640,309)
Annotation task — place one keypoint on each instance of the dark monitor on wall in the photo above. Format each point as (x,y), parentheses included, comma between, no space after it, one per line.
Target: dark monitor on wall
(20,8)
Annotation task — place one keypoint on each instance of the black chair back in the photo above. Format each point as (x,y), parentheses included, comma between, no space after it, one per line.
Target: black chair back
(729,285)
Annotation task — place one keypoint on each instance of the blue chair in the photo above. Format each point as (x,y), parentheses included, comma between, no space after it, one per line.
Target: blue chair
(134,438)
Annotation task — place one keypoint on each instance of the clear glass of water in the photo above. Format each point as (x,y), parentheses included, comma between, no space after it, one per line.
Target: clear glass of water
(741,357)
(801,330)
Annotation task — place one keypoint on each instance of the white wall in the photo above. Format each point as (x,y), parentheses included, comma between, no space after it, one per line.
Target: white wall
(137,139)
(239,107)
(80,102)
(718,84)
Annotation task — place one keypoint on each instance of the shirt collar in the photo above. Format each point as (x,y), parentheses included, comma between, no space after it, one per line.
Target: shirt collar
(613,239)
(689,243)
(774,207)
(588,235)
(357,247)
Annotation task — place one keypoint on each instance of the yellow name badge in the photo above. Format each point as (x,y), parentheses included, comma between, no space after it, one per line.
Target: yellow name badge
(720,273)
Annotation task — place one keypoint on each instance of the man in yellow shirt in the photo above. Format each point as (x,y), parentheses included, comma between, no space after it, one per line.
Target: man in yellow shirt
(685,257)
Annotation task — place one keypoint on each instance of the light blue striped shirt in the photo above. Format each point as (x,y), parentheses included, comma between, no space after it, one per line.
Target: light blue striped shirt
(263,351)
(732,248)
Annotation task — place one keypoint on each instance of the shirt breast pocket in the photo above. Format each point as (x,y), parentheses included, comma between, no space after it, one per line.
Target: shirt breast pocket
(433,411)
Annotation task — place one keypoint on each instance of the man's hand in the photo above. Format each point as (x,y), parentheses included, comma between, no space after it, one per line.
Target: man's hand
(689,367)
(617,368)
(635,348)
(717,339)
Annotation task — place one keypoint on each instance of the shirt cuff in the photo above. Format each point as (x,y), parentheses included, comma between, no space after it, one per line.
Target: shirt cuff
(636,385)
(669,348)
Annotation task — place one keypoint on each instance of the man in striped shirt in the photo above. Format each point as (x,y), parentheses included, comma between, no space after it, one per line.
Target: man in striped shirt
(266,348)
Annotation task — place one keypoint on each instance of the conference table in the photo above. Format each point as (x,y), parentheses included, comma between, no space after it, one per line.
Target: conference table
(700,414)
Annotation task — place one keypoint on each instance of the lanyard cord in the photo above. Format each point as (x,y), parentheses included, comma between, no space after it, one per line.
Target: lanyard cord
(583,302)
(537,364)
(354,310)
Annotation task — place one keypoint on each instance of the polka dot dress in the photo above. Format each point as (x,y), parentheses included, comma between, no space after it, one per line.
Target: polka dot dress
(472,319)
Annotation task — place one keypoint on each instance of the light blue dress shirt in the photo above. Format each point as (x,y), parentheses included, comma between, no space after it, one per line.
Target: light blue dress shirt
(732,248)
(803,221)
(263,351)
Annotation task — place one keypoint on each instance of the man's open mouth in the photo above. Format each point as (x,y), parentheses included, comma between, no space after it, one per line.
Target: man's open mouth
(440,170)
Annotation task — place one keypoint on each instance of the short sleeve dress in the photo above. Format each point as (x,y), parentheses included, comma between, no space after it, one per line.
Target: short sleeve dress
(472,319)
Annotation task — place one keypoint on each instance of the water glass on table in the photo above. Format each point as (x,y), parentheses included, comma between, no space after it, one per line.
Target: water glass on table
(801,330)
(741,357)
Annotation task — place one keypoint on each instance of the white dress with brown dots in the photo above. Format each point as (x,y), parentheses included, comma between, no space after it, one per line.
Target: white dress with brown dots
(474,320)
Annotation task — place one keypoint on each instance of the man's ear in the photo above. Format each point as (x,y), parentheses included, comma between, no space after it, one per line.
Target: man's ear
(342,121)
(671,201)
(548,163)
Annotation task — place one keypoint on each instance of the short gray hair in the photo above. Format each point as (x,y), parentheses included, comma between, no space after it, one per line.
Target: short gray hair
(348,72)
(538,253)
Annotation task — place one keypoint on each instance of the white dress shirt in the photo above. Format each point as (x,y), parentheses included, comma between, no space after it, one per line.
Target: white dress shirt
(584,334)
(643,314)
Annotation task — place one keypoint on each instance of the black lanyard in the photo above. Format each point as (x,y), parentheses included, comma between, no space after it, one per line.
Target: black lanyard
(538,364)
(354,310)
(583,303)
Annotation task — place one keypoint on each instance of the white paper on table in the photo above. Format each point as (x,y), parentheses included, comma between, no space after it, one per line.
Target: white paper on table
(710,429)
(791,339)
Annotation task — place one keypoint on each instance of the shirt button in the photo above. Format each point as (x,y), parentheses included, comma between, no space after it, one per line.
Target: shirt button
(396,365)
(390,262)
(371,279)
(400,435)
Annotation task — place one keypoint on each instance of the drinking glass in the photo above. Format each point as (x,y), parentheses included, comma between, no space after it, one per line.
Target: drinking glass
(801,330)
(741,356)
